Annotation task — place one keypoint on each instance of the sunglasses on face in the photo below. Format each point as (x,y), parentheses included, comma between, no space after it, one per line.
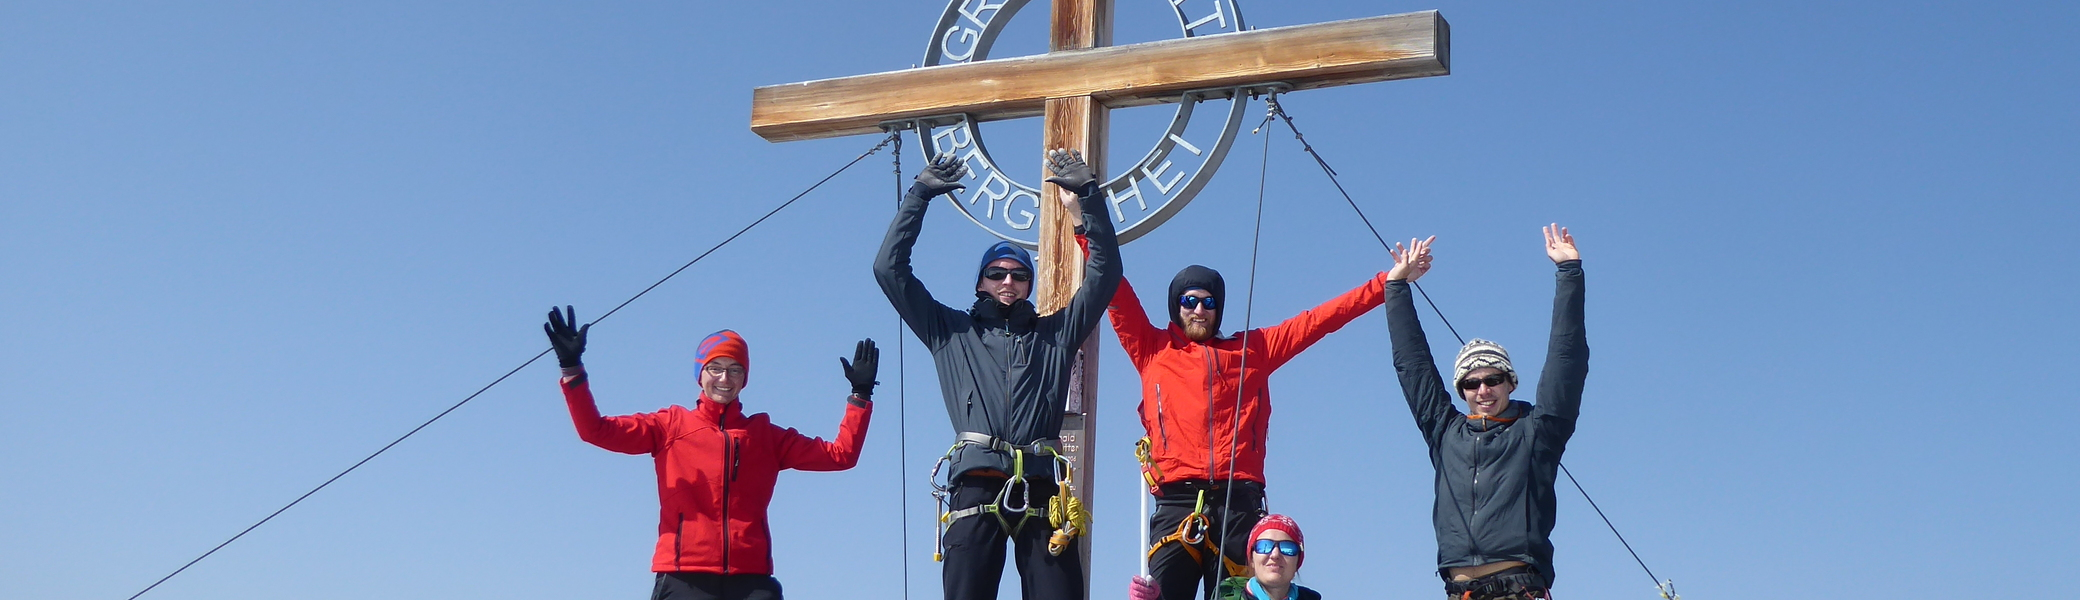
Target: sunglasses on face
(1286,547)
(1494,380)
(1190,302)
(996,273)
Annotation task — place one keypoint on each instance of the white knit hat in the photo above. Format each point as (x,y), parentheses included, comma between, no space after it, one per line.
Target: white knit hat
(1482,353)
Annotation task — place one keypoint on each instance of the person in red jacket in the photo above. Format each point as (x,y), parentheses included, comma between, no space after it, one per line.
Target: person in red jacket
(1206,407)
(716,466)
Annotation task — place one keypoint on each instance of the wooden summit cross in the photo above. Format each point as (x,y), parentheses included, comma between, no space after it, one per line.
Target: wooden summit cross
(1075,84)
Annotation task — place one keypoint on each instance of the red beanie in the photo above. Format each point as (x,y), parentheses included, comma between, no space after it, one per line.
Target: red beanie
(720,344)
(1285,524)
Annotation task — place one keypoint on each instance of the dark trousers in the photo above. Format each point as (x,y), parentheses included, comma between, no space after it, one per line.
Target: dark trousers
(975,548)
(1172,566)
(1514,583)
(710,586)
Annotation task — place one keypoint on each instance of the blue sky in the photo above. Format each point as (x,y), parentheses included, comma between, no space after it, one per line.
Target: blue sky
(1828,248)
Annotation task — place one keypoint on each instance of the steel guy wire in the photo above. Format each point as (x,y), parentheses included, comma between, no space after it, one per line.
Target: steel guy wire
(1280,112)
(502,378)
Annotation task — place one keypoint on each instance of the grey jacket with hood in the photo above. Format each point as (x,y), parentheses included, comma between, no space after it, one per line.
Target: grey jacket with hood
(1004,371)
(1494,479)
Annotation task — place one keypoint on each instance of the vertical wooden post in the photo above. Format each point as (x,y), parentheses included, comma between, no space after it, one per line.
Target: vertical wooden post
(1079,123)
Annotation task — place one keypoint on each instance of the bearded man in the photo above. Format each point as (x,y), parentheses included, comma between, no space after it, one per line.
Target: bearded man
(1206,407)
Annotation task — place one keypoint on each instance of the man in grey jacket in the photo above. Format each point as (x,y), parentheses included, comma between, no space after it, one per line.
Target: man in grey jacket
(1495,464)
(1004,372)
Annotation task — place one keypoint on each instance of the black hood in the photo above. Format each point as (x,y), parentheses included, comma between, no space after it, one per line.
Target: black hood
(1196,276)
(1019,317)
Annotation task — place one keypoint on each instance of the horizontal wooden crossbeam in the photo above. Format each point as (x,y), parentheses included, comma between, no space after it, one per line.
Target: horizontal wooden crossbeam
(1306,56)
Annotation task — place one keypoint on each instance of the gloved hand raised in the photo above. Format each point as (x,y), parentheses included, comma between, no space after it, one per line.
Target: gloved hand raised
(866,359)
(942,176)
(1070,171)
(568,343)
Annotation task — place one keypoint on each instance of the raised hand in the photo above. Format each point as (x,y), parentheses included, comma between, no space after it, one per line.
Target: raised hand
(1411,261)
(866,360)
(569,343)
(1069,170)
(1560,244)
(943,175)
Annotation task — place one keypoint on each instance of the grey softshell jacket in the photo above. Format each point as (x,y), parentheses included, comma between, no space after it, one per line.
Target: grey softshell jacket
(1007,379)
(1495,480)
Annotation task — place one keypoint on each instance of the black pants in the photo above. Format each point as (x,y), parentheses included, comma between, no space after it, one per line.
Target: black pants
(975,548)
(1172,567)
(710,586)
(1514,583)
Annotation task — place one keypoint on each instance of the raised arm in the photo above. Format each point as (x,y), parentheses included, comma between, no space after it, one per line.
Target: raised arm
(799,451)
(1429,399)
(892,265)
(633,434)
(1137,335)
(1101,266)
(1567,353)
(1288,339)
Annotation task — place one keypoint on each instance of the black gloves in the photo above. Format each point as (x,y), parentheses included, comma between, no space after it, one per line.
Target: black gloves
(1070,172)
(942,176)
(866,359)
(568,343)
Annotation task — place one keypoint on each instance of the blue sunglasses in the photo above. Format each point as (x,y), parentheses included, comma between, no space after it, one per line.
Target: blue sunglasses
(1188,302)
(1286,547)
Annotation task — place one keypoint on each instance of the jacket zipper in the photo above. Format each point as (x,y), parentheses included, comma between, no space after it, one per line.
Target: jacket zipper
(1162,426)
(1211,364)
(729,446)
(679,541)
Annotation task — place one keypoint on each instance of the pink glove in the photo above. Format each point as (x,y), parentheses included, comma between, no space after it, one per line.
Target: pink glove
(1143,588)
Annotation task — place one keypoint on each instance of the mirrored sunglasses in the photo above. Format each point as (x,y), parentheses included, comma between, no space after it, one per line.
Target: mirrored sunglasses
(1286,547)
(1190,302)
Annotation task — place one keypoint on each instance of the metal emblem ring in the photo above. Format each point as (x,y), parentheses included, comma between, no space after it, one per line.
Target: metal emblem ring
(1140,199)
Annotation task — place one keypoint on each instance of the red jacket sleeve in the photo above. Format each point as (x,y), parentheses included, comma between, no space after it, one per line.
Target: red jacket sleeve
(632,434)
(1139,337)
(1286,340)
(806,453)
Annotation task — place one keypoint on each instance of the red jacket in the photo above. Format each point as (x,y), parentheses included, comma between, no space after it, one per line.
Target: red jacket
(715,466)
(1188,389)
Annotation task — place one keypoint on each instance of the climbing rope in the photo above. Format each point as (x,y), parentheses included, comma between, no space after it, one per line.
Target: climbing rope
(1249,304)
(538,356)
(902,397)
(1667,589)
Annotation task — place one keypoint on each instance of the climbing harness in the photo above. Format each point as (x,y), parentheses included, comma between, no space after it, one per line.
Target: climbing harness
(1064,512)
(1191,535)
